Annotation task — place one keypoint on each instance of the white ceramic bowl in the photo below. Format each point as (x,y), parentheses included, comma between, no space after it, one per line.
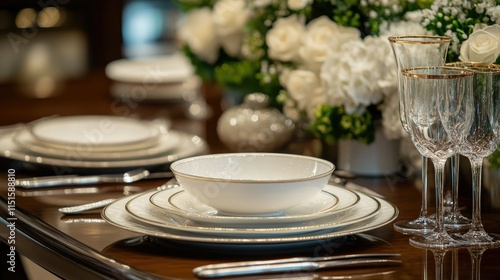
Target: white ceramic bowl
(252,183)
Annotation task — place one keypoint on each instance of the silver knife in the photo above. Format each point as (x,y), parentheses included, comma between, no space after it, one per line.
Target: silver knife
(52,181)
(290,267)
(292,264)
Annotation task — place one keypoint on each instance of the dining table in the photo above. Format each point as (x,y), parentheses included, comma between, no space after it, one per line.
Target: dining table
(85,246)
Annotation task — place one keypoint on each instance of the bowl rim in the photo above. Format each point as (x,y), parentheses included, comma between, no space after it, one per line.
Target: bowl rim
(328,172)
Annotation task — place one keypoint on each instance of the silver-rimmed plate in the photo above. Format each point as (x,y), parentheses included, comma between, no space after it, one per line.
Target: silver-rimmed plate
(141,209)
(116,215)
(332,200)
(189,145)
(167,141)
(99,132)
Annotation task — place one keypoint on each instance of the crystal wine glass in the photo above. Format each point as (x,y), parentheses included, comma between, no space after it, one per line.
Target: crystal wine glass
(481,141)
(434,99)
(413,51)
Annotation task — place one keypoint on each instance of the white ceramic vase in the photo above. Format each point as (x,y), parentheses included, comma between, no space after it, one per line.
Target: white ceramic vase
(379,158)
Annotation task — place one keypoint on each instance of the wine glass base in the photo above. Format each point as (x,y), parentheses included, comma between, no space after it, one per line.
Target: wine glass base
(478,238)
(435,240)
(456,221)
(419,226)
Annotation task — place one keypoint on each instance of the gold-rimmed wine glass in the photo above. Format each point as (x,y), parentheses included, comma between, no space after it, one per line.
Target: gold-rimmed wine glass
(480,141)
(414,51)
(438,109)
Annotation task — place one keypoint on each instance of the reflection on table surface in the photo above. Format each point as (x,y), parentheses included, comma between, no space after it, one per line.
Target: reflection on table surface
(169,258)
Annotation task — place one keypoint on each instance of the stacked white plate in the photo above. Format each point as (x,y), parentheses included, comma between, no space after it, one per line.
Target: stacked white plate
(98,142)
(173,214)
(162,78)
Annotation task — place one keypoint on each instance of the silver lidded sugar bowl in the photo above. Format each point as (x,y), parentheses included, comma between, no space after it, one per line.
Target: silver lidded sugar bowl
(254,126)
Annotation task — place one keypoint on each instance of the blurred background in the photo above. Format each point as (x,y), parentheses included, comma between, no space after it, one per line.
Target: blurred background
(46,42)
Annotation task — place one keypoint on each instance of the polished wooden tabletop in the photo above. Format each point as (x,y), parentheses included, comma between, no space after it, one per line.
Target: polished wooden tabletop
(85,246)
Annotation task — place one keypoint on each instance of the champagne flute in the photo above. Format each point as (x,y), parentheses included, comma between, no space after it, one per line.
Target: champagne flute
(435,100)
(413,51)
(480,141)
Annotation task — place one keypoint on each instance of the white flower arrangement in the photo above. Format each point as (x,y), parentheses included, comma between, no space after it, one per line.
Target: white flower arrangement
(327,62)
(473,26)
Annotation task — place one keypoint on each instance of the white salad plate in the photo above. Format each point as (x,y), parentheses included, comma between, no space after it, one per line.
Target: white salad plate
(171,68)
(166,142)
(141,209)
(188,145)
(332,200)
(116,215)
(101,133)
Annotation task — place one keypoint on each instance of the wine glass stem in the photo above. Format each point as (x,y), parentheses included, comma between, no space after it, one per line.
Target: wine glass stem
(425,188)
(455,168)
(477,167)
(439,260)
(476,255)
(439,168)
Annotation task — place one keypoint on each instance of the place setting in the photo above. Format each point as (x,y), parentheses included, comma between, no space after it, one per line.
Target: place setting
(250,199)
(104,143)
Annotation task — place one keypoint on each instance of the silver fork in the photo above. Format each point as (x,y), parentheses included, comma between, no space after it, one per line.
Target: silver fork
(76,209)
(127,190)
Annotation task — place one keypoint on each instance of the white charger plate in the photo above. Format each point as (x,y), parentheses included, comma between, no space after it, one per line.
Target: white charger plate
(101,133)
(116,215)
(166,142)
(331,200)
(189,145)
(141,209)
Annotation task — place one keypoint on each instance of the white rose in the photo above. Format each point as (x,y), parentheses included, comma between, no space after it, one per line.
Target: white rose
(316,42)
(198,32)
(296,5)
(483,45)
(284,38)
(229,16)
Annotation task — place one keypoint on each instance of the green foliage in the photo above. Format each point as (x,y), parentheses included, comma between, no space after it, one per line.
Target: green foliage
(494,159)
(187,5)
(333,124)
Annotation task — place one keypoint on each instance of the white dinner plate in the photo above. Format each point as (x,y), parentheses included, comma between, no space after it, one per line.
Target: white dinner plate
(151,70)
(166,142)
(99,133)
(141,209)
(330,201)
(116,215)
(189,145)
(186,90)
